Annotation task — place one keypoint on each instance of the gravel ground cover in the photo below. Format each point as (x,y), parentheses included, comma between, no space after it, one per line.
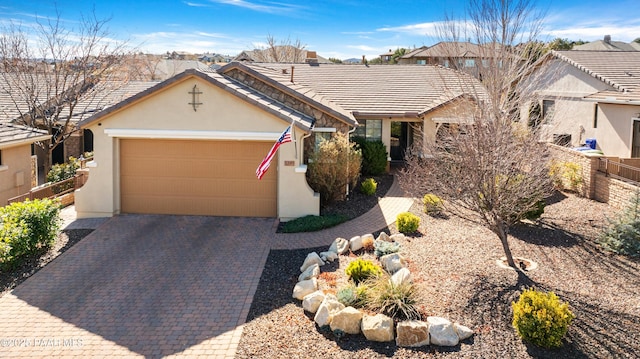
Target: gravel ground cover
(454,266)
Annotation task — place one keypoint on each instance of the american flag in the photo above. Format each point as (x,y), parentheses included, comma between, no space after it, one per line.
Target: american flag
(264,165)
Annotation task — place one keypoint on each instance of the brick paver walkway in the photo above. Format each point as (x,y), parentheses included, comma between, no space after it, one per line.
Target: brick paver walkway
(156,286)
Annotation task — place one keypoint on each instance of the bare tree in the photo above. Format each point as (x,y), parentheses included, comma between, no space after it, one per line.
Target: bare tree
(281,51)
(488,167)
(49,74)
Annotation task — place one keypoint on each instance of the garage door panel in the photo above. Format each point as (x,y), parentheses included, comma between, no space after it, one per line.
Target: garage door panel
(195,177)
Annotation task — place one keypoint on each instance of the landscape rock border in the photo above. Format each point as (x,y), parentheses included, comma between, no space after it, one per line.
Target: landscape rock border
(329,312)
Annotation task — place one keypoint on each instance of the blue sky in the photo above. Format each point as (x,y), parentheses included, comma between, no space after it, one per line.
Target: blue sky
(341,29)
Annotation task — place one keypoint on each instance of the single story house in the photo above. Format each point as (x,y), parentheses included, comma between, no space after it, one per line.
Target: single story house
(590,94)
(191,144)
(17,169)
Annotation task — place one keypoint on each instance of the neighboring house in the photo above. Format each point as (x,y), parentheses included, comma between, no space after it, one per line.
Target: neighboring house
(16,169)
(591,94)
(456,55)
(386,57)
(608,45)
(281,53)
(191,144)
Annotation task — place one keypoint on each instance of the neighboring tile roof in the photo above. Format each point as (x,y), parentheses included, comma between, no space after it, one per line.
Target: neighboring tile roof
(447,49)
(619,69)
(244,92)
(286,52)
(104,95)
(11,133)
(602,45)
(376,90)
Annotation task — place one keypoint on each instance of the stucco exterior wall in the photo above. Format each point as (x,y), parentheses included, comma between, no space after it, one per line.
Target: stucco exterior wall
(169,109)
(15,172)
(615,129)
(566,86)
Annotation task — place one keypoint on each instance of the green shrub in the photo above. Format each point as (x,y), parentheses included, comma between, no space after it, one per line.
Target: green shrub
(382,248)
(536,212)
(374,156)
(61,172)
(312,223)
(361,269)
(432,203)
(334,166)
(622,236)
(27,228)
(408,222)
(369,186)
(397,301)
(541,318)
(352,296)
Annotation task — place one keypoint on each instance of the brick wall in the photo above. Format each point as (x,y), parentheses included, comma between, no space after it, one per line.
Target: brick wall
(615,192)
(596,185)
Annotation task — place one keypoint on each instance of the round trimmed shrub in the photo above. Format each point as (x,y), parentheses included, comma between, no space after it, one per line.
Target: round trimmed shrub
(369,186)
(407,222)
(541,318)
(362,269)
(432,203)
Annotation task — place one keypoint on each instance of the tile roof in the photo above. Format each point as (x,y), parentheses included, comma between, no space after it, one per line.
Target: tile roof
(602,45)
(376,90)
(12,133)
(234,87)
(619,69)
(447,49)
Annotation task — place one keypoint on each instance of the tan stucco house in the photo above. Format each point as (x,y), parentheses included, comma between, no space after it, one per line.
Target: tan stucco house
(16,170)
(591,94)
(191,144)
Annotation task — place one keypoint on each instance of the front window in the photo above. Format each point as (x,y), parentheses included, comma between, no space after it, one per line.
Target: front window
(548,108)
(421,62)
(469,63)
(321,136)
(371,130)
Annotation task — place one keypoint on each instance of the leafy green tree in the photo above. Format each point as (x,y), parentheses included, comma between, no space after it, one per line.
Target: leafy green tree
(334,60)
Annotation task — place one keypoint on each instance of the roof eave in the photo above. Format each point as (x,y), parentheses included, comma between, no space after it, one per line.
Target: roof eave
(24,141)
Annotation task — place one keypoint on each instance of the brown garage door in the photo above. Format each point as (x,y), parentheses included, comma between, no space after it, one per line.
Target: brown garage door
(214,178)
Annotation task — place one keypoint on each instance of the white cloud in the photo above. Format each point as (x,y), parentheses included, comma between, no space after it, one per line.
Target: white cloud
(194,42)
(266,7)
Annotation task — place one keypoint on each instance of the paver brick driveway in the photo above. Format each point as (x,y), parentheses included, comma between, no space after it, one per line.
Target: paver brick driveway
(142,285)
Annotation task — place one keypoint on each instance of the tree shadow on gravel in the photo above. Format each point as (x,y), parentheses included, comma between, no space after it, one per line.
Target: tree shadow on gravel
(545,234)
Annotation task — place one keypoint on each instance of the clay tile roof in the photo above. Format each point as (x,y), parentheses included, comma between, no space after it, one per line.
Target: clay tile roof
(619,69)
(376,90)
(12,133)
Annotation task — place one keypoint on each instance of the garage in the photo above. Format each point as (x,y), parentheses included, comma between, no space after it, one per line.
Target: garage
(196,177)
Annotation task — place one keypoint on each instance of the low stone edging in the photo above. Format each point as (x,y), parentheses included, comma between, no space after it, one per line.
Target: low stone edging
(328,311)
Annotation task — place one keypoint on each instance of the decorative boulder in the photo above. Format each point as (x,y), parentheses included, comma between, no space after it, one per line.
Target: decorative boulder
(401,276)
(366,237)
(339,245)
(462,331)
(311,272)
(396,237)
(412,333)
(377,328)
(442,332)
(312,258)
(355,243)
(328,256)
(327,309)
(383,236)
(348,320)
(393,262)
(305,287)
(312,301)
